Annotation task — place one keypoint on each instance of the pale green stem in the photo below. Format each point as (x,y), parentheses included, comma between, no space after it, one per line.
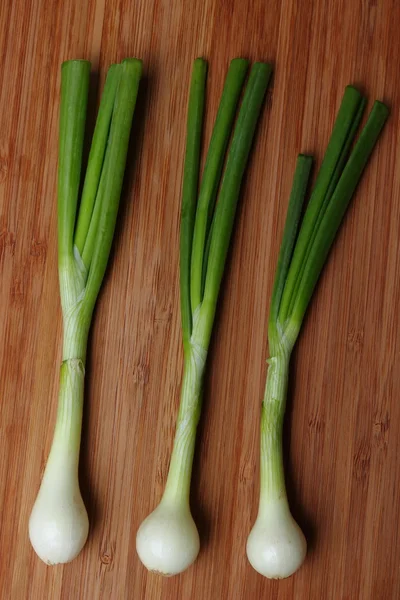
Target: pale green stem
(273,410)
(76,331)
(73,275)
(67,433)
(180,470)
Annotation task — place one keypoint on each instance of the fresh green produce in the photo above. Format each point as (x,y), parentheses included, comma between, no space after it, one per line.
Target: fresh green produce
(167,541)
(58,525)
(276,546)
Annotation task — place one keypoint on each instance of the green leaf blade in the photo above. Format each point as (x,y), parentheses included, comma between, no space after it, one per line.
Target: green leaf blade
(343,133)
(293,217)
(190,190)
(75,75)
(230,188)
(124,106)
(96,158)
(339,203)
(212,173)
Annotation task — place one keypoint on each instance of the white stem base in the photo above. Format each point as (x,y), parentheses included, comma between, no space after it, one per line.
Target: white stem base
(59,524)
(276,546)
(167,541)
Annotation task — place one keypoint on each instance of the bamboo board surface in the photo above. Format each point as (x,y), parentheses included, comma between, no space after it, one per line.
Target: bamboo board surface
(342,431)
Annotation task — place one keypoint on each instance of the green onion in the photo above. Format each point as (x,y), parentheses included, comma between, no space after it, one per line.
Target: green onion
(58,525)
(167,541)
(276,546)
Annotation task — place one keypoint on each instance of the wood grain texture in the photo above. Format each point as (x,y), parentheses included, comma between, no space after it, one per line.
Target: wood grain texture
(342,432)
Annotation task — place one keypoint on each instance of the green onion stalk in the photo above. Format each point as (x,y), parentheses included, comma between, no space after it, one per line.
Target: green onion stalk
(58,525)
(276,546)
(167,541)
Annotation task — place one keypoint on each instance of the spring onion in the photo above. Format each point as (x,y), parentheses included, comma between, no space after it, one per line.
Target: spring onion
(168,541)
(276,546)
(58,525)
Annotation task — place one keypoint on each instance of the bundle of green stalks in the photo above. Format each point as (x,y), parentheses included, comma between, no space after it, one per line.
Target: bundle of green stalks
(276,546)
(58,525)
(167,541)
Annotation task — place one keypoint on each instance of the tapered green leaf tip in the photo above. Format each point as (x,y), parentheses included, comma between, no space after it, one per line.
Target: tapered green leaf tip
(113,66)
(382,109)
(350,91)
(264,68)
(133,62)
(199,70)
(77,62)
(352,94)
(239,62)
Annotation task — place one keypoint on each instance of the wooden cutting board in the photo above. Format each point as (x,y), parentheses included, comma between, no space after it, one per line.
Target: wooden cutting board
(342,431)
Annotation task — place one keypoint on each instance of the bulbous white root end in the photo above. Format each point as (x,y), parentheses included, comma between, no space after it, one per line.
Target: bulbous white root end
(58,525)
(276,546)
(167,541)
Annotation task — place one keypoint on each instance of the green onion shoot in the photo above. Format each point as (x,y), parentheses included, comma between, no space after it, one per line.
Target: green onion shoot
(58,525)
(276,546)
(168,541)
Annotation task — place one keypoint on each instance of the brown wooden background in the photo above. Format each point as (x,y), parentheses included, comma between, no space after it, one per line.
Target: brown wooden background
(343,423)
